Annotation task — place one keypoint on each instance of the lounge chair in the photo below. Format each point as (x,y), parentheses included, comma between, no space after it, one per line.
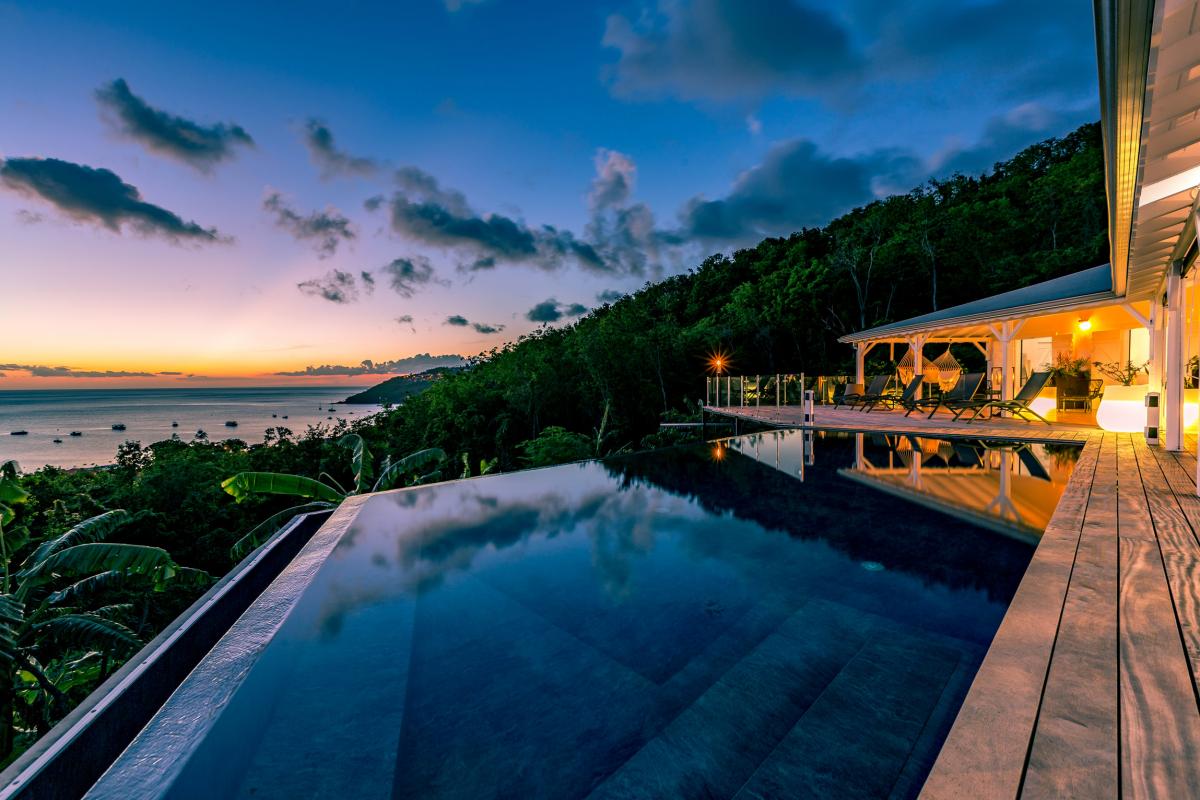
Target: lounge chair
(963,391)
(874,389)
(1018,406)
(906,398)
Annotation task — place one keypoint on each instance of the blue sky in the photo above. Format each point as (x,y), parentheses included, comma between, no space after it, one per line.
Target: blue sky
(475,159)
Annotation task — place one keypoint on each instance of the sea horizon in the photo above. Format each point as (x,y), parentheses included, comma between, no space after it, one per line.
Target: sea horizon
(50,416)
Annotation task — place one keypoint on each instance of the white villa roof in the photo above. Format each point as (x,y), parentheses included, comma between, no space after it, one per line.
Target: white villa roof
(1149,57)
(1079,289)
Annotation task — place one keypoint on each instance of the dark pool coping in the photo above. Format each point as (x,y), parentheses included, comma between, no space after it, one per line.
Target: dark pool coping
(75,753)
(153,760)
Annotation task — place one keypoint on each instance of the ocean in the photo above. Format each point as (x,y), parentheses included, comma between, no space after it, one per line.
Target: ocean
(49,414)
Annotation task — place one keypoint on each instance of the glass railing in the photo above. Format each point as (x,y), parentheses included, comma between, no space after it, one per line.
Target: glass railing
(783,389)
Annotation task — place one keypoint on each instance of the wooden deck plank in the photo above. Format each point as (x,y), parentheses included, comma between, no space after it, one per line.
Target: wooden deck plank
(1075,742)
(1160,725)
(984,755)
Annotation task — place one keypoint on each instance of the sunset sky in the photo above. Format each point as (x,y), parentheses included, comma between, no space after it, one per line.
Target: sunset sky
(228,194)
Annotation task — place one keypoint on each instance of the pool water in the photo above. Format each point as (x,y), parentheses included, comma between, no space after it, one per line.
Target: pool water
(702,621)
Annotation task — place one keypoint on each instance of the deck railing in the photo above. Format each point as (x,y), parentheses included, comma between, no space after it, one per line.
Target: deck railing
(770,390)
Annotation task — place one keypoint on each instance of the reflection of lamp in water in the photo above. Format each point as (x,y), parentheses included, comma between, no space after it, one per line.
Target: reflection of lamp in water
(718,453)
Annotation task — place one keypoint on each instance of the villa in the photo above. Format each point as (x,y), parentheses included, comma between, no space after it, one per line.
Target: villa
(854,601)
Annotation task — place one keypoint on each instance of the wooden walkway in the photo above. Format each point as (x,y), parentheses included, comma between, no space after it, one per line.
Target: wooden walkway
(1089,689)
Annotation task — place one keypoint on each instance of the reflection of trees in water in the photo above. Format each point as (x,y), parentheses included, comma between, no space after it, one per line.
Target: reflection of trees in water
(865,524)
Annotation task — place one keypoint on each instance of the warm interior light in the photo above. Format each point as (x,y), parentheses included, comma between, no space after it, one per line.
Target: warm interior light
(1122,409)
(1043,405)
(1085,324)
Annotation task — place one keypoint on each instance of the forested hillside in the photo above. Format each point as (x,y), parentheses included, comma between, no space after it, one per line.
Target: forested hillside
(775,307)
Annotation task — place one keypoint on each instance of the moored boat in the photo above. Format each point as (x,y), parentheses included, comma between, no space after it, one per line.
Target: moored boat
(19,433)
(231,423)
(118,426)
(77,433)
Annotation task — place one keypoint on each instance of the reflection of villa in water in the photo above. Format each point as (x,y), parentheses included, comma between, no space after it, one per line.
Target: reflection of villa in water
(1012,489)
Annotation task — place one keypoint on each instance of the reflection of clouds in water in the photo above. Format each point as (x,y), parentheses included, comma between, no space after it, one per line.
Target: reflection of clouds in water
(410,542)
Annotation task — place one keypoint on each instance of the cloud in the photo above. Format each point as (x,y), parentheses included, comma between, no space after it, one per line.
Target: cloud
(424,211)
(331,161)
(613,184)
(40,371)
(368,281)
(168,372)
(798,185)
(1006,134)
(169,135)
(336,287)
(551,310)
(401,366)
(609,296)
(325,229)
(483,327)
(459,321)
(728,50)
(407,319)
(96,196)
(409,275)
(27,217)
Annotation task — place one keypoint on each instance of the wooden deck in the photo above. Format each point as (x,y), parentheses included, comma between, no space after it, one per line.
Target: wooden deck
(1090,686)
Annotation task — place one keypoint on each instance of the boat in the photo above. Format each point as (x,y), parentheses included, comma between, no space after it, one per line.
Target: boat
(118,426)
(77,433)
(58,441)
(231,423)
(19,433)
(285,416)
(274,415)
(174,424)
(200,434)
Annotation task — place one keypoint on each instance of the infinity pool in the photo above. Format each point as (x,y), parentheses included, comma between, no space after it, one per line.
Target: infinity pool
(758,618)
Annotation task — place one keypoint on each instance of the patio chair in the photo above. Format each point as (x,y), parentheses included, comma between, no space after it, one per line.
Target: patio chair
(963,391)
(874,389)
(906,398)
(1018,406)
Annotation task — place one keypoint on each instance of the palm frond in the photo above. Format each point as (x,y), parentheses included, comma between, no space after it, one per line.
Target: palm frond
(263,530)
(360,459)
(246,484)
(12,615)
(413,462)
(93,529)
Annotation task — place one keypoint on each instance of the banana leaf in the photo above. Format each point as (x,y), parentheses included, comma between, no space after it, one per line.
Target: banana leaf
(88,559)
(413,462)
(87,630)
(94,529)
(246,484)
(360,460)
(263,530)
(89,586)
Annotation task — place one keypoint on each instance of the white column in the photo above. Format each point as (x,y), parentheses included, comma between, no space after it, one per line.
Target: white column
(1156,346)
(860,353)
(1173,379)
(917,343)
